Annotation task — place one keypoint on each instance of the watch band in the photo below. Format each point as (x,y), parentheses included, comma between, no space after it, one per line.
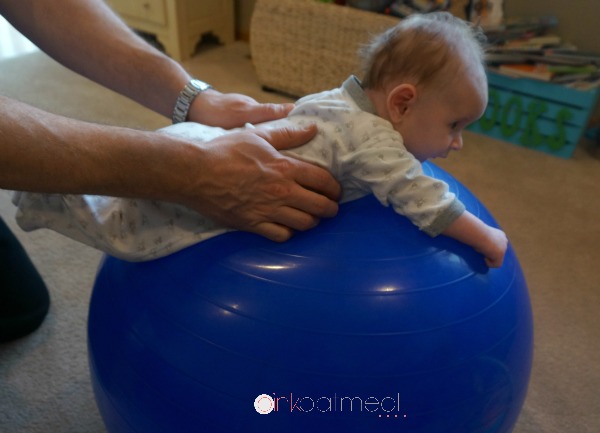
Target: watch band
(185,98)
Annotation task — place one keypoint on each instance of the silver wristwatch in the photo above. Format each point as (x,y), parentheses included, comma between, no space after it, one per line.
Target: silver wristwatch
(187,95)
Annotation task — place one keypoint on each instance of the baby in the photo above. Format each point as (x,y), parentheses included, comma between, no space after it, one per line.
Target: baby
(423,83)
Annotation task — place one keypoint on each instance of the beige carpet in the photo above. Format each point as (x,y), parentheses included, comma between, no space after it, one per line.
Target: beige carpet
(549,207)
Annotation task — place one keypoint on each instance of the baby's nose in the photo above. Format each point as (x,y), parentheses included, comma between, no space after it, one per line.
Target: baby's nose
(457,143)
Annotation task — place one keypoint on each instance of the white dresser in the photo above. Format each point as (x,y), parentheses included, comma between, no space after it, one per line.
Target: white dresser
(179,24)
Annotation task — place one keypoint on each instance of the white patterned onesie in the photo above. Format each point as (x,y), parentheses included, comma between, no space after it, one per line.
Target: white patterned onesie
(362,150)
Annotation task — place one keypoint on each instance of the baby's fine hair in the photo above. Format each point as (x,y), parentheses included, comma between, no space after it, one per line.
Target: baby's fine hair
(423,49)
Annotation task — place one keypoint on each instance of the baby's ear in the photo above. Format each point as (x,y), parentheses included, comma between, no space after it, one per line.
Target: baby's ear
(399,101)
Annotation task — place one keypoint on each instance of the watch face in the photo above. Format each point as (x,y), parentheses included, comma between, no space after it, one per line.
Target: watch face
(200,85)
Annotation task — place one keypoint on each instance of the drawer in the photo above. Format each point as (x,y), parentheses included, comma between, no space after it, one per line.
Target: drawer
(152,11)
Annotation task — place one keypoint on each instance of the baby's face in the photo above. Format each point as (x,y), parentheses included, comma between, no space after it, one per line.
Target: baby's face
(434,126)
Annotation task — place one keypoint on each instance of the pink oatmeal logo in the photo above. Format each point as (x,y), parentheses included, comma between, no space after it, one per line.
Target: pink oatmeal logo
(264,404)
(383,407)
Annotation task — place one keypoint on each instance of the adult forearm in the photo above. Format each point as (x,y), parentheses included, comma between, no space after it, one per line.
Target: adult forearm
(239,179)
(44,152)
(87,37)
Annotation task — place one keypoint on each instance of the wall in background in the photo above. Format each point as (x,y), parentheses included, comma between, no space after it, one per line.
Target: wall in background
(578,18)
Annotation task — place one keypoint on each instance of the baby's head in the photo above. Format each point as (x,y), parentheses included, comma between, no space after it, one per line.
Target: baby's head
(425,74)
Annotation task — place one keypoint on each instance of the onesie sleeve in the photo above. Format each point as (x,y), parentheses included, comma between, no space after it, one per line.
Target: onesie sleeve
(382,164)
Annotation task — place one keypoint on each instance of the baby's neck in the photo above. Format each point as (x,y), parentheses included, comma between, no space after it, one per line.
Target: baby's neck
(379,100)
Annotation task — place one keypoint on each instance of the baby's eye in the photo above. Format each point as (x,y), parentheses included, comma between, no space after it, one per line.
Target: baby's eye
(454,125)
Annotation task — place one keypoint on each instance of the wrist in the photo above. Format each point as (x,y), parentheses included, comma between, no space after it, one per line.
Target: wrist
(183,104)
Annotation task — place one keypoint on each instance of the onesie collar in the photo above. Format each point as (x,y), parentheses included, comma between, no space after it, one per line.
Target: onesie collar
(353,86)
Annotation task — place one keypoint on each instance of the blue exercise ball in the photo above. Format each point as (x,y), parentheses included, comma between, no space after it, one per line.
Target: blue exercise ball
(363,324)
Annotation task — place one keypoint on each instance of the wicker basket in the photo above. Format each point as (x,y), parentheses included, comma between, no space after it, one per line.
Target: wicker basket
(305,46)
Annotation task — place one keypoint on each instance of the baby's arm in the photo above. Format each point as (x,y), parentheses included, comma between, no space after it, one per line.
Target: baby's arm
(489,241)
(396,177)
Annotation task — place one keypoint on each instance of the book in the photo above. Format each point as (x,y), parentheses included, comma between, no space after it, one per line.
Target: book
(572,55)
(538,71)
(570,69)
(533,43)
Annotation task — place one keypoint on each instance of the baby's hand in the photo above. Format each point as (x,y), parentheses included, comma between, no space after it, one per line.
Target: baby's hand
(494,247)
(489,241)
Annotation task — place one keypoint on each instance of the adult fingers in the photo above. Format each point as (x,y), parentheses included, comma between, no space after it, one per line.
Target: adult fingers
(229,110)
(273,231)
(307,175)
(316,179)
(264,112)
(285,221)
(287,137)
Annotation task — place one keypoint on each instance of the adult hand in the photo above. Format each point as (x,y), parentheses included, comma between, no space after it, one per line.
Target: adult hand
(229,110)
(248,185)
